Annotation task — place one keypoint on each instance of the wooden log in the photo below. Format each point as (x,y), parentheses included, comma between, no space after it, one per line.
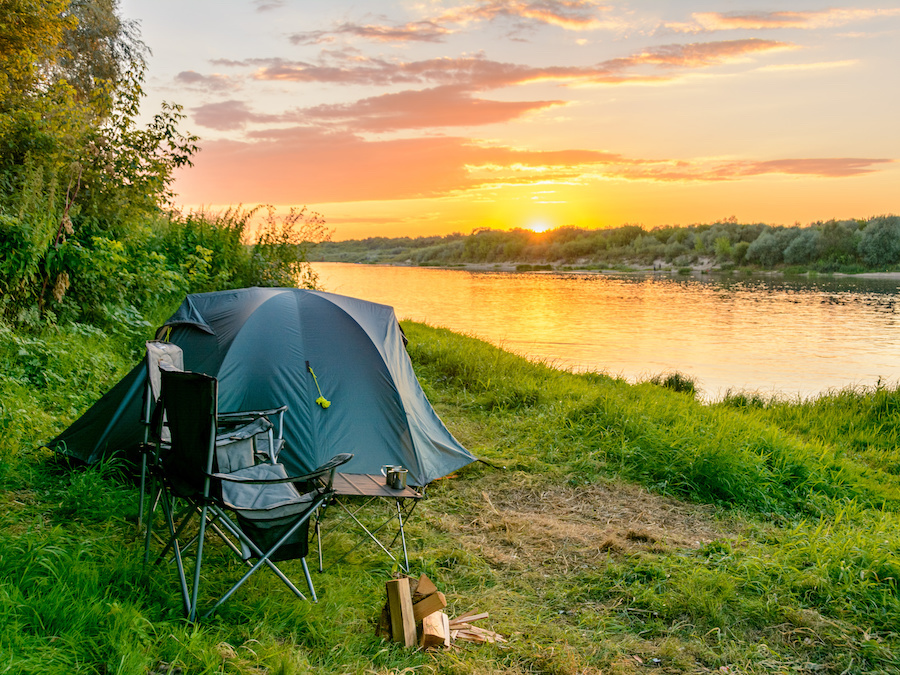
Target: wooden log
(433,633)
(425,586)
(403,626)
(433,603)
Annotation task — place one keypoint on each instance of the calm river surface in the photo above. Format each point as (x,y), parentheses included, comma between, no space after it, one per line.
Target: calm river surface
(769,335)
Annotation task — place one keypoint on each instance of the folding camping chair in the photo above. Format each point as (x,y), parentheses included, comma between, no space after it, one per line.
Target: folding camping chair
(271,515)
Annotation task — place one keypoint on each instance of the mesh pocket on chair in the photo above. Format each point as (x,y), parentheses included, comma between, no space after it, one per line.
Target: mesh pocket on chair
(265,533)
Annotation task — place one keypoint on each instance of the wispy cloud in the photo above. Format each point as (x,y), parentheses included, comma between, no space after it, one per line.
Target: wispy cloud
(830,167)
(230,115)
(481,73)
(417,31)
(267,5)
(566,14)
(210,83)
(820,65)
(827,18)
(451,86)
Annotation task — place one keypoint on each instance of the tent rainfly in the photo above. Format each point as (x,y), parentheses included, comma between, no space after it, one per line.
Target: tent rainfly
(286,346)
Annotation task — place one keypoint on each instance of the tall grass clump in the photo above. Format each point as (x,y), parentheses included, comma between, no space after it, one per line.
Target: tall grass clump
(676,382)
(860,423)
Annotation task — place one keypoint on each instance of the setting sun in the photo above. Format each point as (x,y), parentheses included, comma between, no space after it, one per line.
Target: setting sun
(540,226)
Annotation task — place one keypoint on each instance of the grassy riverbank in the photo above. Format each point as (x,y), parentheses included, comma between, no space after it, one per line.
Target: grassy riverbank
(621,528)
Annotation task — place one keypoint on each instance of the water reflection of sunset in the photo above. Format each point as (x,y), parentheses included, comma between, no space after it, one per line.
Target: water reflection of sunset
(784,337)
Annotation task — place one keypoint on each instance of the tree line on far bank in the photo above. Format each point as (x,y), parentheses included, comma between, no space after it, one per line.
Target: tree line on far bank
(848,246)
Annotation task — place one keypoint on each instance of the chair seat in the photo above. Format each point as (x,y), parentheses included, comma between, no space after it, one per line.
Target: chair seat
(257,501)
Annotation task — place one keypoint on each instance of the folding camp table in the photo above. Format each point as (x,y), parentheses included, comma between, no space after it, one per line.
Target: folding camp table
(349,488)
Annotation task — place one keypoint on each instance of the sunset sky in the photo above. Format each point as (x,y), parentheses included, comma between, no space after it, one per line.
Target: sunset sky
(433,116)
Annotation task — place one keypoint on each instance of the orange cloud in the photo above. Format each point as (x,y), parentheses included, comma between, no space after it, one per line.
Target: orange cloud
(833,167)
(307,165)
(448,106)
(230,115)
(827,18)
(451,103)
(706,171)
(568,14)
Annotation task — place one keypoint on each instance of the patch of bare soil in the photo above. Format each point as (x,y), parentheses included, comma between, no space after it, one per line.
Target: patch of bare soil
(564,528)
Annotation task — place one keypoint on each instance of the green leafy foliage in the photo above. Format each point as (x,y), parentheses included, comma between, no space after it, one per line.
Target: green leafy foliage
(80,178)
(845,246)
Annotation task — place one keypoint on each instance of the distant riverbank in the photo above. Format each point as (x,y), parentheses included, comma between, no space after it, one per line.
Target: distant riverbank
(703,267)
(848,246)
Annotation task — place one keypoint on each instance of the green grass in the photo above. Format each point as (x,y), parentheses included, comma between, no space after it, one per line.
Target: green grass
(616,525)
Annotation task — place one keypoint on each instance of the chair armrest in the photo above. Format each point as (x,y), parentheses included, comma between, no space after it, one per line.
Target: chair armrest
(331,466)
(258,426)
(248,415)
(260,481)
(328,468)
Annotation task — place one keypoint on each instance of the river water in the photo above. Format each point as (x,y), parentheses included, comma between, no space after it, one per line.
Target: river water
(785,336)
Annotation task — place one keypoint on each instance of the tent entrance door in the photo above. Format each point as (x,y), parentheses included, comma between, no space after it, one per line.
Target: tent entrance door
(362,500)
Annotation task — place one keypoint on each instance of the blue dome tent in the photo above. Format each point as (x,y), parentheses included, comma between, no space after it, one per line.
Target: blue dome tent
(287,346)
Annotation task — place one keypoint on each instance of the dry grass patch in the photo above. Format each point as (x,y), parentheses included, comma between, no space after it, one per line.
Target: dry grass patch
(515,522)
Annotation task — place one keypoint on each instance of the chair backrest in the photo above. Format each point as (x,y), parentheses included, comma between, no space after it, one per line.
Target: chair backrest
(189,401)
(160,355)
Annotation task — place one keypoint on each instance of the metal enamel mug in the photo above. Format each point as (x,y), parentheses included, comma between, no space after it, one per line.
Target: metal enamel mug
(394,476)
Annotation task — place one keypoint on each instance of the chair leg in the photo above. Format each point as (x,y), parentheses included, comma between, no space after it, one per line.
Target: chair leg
(192,616)
(319,540)
(167,509)
(143,485)
(152,509)
(309,582)
(402,538)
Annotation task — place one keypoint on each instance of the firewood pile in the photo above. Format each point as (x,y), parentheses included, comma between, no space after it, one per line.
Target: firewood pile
(413,616)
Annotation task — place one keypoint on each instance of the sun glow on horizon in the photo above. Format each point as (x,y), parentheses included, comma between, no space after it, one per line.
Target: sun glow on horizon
(540,226)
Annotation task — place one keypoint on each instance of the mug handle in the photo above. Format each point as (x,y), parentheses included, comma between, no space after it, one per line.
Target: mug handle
(389,467)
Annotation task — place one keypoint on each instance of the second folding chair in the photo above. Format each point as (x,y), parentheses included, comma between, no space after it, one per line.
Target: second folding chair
(254,506)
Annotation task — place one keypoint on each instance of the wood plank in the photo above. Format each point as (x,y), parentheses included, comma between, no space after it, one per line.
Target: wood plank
(445,623)
(431,604)
(470,637)
(469,617)
(433,634)
(403,626)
